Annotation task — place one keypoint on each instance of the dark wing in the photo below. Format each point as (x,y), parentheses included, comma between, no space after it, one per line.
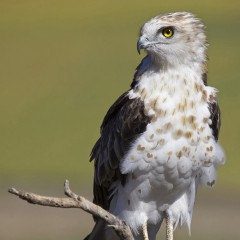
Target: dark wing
(123,123)
(215,117)
(215,114)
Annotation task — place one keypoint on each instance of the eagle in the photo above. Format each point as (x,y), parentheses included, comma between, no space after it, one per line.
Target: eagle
(159,140)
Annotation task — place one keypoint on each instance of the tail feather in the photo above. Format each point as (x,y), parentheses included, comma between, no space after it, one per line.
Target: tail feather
(101,231)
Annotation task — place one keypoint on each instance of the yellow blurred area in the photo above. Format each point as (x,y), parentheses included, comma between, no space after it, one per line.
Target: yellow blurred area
(62,64)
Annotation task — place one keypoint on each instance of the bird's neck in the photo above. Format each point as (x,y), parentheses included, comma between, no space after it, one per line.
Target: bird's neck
(159,63)
(153,66)
(151,79)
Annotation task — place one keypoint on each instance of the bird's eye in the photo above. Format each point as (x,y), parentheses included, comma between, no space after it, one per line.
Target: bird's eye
(167,32)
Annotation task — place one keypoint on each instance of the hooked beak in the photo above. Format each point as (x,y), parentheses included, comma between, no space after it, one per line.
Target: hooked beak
(143,43)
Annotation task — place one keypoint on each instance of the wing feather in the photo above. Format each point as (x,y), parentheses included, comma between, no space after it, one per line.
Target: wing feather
(123,123)
(215,118)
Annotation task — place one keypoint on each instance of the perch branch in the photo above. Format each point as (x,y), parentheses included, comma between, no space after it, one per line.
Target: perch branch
(76,201)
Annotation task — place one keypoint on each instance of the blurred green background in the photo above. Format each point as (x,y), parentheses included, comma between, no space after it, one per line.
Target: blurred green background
(62,64)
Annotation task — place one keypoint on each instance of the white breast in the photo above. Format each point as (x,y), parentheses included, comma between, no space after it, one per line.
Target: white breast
(176,148)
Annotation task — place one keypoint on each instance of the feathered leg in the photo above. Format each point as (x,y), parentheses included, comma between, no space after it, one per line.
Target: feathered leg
(169,227)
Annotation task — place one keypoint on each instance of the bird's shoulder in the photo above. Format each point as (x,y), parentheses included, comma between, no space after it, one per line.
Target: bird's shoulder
(141,68)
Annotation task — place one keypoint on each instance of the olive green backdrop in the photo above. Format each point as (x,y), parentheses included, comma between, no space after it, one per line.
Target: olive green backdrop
(62,64)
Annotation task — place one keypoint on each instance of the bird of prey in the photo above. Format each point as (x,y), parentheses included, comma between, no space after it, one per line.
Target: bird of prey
(159,140)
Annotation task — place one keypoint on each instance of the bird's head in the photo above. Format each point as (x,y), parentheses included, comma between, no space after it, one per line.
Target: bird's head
(174,38)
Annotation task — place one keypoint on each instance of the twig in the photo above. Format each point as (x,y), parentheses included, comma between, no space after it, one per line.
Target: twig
(76,201)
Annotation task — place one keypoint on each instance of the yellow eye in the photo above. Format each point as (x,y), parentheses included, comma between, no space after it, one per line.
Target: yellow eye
(167,32)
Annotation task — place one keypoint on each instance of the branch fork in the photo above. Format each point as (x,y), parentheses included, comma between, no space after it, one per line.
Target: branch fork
(76,201)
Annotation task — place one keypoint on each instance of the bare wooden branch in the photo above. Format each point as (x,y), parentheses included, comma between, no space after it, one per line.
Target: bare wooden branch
(76,201)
